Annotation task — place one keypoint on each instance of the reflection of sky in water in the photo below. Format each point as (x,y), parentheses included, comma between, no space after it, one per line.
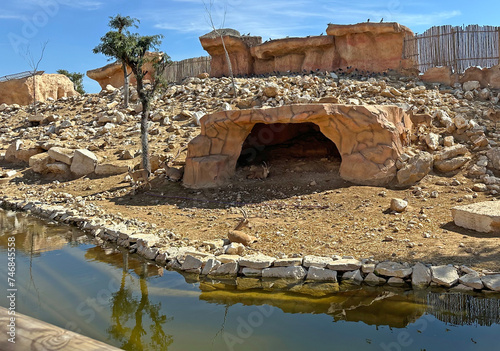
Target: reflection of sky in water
(86,289)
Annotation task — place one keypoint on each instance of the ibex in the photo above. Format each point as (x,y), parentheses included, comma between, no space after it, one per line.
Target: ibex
(257,172)
(237,236)
(139,177)
(172,173)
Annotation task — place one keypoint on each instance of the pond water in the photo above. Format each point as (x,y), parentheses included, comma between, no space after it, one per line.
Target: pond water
(64,279)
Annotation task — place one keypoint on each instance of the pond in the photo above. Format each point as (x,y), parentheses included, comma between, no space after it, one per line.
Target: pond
(64,278)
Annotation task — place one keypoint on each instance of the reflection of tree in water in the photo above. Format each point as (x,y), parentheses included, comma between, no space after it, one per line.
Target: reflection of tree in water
(125,307)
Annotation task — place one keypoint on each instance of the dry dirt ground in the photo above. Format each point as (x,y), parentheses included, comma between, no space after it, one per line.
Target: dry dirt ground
(302,208)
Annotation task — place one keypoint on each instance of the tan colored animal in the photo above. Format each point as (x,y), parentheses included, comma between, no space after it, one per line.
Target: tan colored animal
(171,172)
(237,236)
(139,177)
(257,172)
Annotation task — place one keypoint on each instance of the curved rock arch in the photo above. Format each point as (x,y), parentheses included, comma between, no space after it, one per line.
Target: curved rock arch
(369,139)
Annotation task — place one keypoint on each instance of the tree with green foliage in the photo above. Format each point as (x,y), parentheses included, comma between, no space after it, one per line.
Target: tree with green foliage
(132,49)
(76,78)
(115,45)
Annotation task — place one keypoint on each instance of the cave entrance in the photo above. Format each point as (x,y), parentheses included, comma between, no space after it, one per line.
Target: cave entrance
(278,142)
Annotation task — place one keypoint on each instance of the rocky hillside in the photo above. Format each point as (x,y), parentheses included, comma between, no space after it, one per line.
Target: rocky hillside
(454,158)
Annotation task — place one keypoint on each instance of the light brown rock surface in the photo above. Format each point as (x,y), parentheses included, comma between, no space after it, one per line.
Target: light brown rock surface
(112,74)
(369,139)
(482,216)
(20,91)
(374,47)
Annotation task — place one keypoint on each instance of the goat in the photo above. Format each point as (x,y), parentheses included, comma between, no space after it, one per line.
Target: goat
(257,172)
(139,177)
(172,173)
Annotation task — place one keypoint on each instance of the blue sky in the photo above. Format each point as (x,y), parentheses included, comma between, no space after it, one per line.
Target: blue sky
(73,27)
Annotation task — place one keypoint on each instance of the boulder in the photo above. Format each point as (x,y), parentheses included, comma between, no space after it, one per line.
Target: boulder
(256,261)
(346,264)
(10,154)
(321,274)
(451,164)
(446,276)
(294,272)
(374,47)
(492,282)
(372,279)
(353,277)
(415,169)
(494,157)
(421,276)
(57,168)
(398,205)
(38,162)
(20,91)
(61,154)
(393,269)
(369,139)
(472,280)
(443,75)
(84,162)
(481,216)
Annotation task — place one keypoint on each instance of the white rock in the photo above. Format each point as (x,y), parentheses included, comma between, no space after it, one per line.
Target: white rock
(421,276)
(191,262)
(212,264)
(395,281)
(83,163)
(57,168)
(256,261)
(482,216)
(472,279)
(285,262)
(461,122)
(235,249)
(448,141)
(492,282)
(321,274)
(451,152)
(352,277)
(295,272)
(10,154)
(372,279)
(230,268)
(197,117)
(110,169)
(393,269)
(345,265)
(398,205)
(444,275)
(62,154)
(432,141)
(316,261)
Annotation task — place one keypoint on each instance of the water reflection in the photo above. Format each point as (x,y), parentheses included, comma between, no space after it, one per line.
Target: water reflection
(146,307)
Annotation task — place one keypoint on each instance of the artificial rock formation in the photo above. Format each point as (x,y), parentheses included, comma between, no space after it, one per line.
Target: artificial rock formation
(20,91)
(112,73)
(369,140)
(487,77)
(374,47)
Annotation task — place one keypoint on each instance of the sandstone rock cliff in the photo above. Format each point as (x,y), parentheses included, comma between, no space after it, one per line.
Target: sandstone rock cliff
(374,47)
(20,91)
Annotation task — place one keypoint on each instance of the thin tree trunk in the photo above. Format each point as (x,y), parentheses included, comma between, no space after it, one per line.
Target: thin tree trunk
(229,66)
(34,93)
(125,85)
(146,164)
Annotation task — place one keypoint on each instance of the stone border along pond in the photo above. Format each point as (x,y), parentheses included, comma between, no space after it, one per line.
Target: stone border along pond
(296,274)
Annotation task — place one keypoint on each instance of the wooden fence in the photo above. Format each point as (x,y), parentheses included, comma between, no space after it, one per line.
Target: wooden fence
(187,68)
(456,47)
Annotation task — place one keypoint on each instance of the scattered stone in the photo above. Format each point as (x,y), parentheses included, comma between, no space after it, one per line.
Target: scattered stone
(395,281)
(482,216)
(83,163)
(230,268)
(286,262)
(472,280)
(372,279)
(444,275)
(492,282)
(235,249)
(415,169)
(393,269)
(210,265)
(345,265)
(398,205)
(191,262)
(321,274)
(295,272)
(316,261)
(353,277)
(256,261)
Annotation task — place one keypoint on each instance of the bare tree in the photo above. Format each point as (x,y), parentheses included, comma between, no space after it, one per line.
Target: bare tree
(220,33)
(34,69)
